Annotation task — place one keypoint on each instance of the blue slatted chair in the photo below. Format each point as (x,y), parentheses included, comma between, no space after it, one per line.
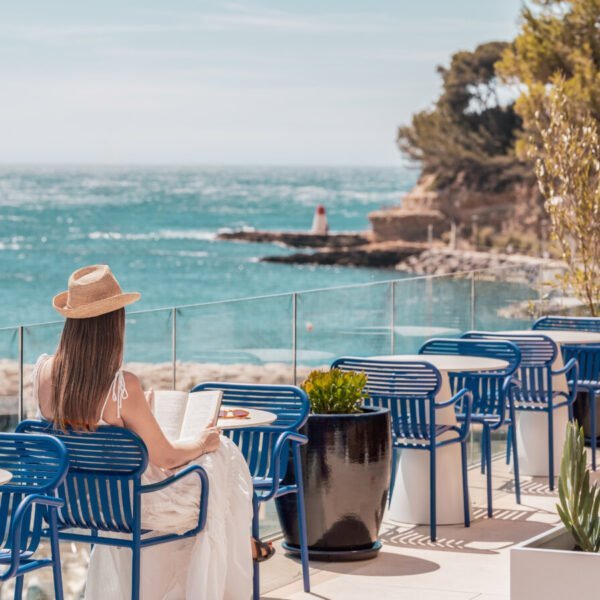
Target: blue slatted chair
(408,390)
(588,359)
(492,402)
(28,505)
(103,490)
(267,449)
(558,322)
(535,391)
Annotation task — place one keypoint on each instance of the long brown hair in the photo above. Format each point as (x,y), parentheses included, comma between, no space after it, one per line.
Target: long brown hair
(89,355)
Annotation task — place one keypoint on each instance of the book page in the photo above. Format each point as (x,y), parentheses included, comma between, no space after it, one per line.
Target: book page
(202,410)
(169,410)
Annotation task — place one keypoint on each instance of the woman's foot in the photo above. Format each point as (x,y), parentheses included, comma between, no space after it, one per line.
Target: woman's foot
(262,551)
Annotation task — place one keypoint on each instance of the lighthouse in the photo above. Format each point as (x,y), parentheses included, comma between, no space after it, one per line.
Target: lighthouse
(319,225)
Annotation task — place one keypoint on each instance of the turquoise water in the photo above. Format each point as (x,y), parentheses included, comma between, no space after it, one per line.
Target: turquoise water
(156,227)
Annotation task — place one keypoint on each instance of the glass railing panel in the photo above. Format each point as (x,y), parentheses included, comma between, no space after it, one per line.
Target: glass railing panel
(430,307)
(149,348)
(354,321)
(37,340)
(507,298)
(9,378)
(248,341)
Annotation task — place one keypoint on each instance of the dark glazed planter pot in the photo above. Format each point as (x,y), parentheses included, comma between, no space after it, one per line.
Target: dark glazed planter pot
(346,470)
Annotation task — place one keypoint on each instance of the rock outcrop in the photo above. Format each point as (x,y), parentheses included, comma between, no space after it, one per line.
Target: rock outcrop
(298,239)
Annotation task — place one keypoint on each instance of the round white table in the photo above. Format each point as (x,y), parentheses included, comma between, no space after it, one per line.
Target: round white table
(532,426)
(5,476)
(255,418)
(410,499)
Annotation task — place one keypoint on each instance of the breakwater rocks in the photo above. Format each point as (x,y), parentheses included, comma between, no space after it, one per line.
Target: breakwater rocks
(381,255)
(444,261)
(297,239)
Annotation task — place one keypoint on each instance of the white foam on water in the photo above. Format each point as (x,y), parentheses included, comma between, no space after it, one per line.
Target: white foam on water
(165,234)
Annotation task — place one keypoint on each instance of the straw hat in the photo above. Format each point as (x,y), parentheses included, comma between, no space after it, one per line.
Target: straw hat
(93,291)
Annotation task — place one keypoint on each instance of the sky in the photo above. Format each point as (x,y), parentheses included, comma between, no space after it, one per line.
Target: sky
(269,82)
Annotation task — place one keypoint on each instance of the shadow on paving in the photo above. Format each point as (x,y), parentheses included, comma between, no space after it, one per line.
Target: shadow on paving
(485,536)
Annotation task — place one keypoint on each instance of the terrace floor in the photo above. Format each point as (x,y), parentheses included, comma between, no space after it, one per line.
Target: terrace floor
(464,564)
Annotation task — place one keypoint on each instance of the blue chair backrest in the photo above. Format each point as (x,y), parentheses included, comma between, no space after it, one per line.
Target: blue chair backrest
(579,323)
(38,464)
(588,359)
(486,387)
(289,403)
(101,490)
(406,388)
(538,353)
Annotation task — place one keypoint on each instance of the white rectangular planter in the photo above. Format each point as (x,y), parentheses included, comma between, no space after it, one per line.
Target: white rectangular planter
(547,568)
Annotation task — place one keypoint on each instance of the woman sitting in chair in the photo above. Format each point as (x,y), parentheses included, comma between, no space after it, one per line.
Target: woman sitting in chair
(82,386)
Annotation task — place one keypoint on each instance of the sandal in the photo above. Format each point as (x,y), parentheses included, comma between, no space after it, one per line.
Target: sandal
(264,550)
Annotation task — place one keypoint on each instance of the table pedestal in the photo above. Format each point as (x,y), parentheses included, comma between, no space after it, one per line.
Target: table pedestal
(532,441)
(410,500)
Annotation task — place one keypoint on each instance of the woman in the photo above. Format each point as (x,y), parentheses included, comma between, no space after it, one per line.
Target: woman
(83,386)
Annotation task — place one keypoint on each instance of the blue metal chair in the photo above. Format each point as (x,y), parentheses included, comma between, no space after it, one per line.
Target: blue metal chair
(103,490)
(535,391)
(588,359)
(408,390)
(557,322)
(28,505)
(267,450)
(490,390)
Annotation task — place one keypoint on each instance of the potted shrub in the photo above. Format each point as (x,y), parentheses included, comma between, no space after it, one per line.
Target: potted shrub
(565,561)
(346,470)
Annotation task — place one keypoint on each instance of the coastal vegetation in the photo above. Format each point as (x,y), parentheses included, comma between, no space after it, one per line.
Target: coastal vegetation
(520,120)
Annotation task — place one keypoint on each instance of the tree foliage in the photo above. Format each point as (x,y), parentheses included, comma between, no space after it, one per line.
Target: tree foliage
(566,148)
(559,39)
(469,130)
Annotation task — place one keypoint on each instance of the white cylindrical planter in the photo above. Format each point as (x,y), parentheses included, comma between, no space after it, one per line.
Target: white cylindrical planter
(532,441)
(410,500)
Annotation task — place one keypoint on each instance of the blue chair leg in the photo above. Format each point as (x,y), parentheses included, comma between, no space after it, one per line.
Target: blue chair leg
(19,588)
(255,534)
(593,398)
(301,519)
(512,441)
(432,494)
(550,448)
(135,567)
(393,474)
(483,449)
(488,477)
(508,448)
(466,500)
(55,548)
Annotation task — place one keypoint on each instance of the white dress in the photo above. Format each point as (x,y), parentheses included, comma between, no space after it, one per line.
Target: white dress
(214,565)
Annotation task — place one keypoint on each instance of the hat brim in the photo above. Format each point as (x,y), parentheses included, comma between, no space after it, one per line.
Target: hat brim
(93,309)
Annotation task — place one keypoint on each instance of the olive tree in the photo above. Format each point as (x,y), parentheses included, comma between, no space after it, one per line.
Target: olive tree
(566,151)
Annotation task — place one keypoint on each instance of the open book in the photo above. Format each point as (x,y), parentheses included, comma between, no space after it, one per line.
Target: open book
(183,415)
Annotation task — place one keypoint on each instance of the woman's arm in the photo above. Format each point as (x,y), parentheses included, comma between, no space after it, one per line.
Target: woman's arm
(138,417)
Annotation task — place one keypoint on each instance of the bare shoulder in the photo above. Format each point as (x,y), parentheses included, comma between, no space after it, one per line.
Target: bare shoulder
(132,382)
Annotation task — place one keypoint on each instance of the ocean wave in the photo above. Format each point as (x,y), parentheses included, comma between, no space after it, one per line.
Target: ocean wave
(165,234)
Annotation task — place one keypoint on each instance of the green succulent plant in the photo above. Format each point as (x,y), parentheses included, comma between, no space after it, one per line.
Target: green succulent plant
(579,502)
(335,391)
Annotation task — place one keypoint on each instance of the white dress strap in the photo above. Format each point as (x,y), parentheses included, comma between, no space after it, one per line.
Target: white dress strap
(41,361)
(117,392)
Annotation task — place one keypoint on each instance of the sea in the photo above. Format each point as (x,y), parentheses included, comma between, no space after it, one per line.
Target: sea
(157,228)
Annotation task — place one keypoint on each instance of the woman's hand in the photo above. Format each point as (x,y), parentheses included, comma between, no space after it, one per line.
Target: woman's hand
(210,439)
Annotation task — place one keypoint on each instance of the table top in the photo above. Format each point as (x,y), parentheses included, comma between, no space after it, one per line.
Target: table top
(256,418)
(445,362)
(5,476)
(560,336)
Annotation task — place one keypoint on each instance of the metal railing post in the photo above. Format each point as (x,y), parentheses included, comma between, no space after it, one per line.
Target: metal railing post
(294,337)
(21,411)
(393,318)
(174,345)
(473,303)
